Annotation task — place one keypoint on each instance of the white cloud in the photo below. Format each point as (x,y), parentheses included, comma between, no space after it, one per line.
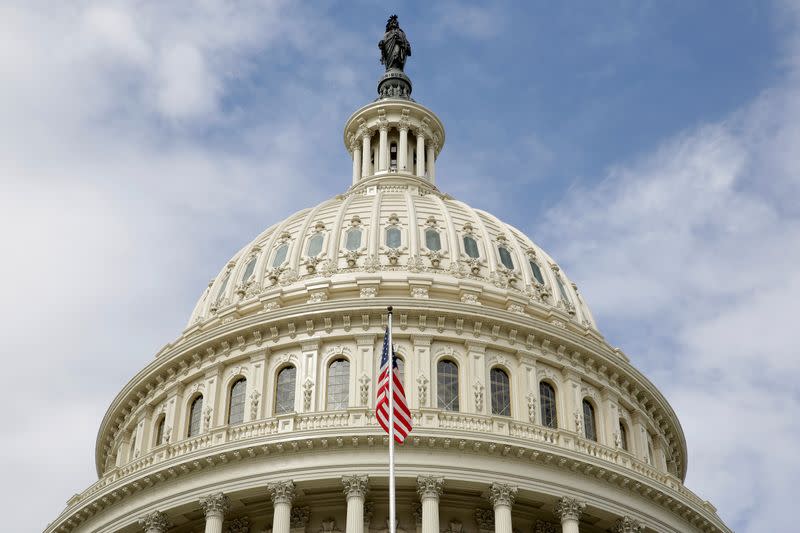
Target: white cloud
(689,256)
(118,205)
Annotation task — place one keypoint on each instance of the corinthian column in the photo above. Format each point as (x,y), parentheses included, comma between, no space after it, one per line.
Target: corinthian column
(155,522)
(355,488)
(502,497)
(402,149)
(215,506)
(429,489)
(383,145)
(366,153)
(420,152)
(626,524)
(569,511)
(355,146)
(431,160)
(282,494)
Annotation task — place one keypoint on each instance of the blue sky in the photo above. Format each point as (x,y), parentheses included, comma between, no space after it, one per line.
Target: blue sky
(650,147)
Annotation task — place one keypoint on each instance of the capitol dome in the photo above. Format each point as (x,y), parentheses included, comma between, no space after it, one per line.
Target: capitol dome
(260,416)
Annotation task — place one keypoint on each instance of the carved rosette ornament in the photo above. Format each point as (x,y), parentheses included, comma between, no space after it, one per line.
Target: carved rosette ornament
(569,509)
(216,504)
(299,517)
(281,492)
(544,527)
(240,525)
(626,524)
(155,522)
(429,487)
(502,494)
(484,519)
(355,485)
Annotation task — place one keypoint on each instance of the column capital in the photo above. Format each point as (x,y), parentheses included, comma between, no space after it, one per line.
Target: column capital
(281,491)
(215,504)
(355,485)
(626,524)
(502,494)
(429,486)
(155,522)
(569,509)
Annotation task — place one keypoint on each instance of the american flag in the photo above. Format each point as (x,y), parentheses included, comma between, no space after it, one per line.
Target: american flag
(402,416)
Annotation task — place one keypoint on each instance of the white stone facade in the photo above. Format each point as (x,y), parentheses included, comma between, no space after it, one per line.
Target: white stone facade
(308,292)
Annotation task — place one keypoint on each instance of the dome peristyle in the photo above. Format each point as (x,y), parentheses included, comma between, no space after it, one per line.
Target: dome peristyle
(260,416)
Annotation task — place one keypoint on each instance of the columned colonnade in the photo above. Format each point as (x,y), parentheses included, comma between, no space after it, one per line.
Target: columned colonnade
(361,146)
(215,506)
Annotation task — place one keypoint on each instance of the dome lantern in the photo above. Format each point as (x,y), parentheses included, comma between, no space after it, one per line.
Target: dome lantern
(394,138)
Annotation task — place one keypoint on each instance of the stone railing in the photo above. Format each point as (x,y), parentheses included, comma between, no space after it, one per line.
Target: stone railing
(424,419)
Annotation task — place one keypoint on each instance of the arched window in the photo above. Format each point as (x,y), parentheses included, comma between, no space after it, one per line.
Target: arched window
(284,390)
(547,401)
(195,417)
(447,385)
(537,272)
(315,245)
(501,392)
(393,237)
(471,247)
(338,384)
(160,430)
(280,255)
(132,451)
(237,398)
(353,239)
(249,269)
(393,156)
(650,457)
(505,257)
(623,436)
(589,428)
(433,241)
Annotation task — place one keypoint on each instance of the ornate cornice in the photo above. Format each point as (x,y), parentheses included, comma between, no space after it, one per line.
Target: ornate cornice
(281,491)
(355,485)
(429,486)
(155,522)
(502,494)
(215,504)
(569,509)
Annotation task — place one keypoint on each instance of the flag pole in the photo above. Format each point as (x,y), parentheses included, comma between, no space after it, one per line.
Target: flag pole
(391,427)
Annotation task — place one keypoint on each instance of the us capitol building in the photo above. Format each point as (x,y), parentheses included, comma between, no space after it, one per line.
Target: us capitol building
(260,416)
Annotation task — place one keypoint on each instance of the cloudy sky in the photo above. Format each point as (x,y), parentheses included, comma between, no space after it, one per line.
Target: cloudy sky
(652,148)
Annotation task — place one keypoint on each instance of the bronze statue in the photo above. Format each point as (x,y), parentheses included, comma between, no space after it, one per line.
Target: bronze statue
(394,46)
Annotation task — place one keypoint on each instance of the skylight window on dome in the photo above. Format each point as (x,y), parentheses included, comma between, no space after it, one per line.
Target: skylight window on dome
(221,291)
(471,247)
(433,241)
(249,269)
(315,245)
(562,289)
(280,255)
(393,237)
(537,272)
(353,239)
(505,257)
